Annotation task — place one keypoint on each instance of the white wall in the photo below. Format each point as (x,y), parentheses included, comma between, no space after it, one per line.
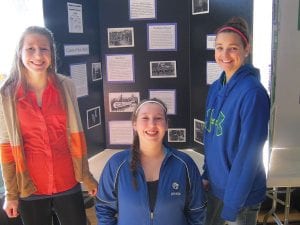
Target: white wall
(262,39)
(284,164)
(287,89)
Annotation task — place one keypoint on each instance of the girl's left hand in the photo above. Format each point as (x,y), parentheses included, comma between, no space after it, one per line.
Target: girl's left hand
(205,184)
(93,191)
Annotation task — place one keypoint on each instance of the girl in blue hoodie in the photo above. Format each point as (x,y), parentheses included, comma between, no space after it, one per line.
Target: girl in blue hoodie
(236,122)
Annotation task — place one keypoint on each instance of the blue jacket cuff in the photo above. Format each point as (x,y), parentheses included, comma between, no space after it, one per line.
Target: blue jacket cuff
(229,214)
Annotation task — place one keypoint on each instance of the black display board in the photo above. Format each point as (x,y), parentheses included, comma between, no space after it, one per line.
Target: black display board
(201,26)
(115,14)
(190,55)
(56,19)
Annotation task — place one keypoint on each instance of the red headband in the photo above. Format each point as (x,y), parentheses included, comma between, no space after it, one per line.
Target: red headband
(235,30)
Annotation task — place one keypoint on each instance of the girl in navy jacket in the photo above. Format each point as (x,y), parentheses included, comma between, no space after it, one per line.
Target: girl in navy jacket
(150,184)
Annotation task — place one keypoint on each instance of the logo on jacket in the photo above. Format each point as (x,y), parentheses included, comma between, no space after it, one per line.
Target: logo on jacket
(217,122)
(175,187)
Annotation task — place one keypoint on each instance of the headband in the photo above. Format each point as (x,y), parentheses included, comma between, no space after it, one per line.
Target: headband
(151,101)
(243,36)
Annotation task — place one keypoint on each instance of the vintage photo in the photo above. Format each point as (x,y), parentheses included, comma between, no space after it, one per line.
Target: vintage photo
(96,71)
(163,69)
(199,128)
(120,37)
(200,6)
(176,135)
(123,101)
(93,117)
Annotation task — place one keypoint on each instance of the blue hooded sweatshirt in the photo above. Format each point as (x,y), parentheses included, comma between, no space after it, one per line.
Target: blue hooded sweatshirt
(236,128)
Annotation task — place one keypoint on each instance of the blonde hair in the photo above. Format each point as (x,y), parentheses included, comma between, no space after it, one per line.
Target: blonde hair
(16,77)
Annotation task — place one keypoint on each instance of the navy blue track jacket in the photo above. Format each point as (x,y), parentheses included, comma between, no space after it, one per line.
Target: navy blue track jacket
(180,196)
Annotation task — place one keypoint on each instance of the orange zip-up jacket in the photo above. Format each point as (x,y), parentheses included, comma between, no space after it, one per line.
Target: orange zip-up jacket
(17,180)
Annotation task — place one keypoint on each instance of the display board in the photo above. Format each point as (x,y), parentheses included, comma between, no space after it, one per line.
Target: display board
(143,49)
(159,49)
(75,26)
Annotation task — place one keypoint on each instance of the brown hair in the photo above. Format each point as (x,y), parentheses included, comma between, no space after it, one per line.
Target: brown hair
(237,25)
(135,161)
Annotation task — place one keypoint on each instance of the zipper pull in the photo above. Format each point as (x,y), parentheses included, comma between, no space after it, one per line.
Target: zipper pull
(151,215)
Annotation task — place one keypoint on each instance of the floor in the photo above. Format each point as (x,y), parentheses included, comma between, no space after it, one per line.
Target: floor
(294,217)
(90,212)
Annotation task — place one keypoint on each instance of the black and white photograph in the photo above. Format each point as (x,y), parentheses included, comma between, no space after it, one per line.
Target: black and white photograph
(93,117)
(176,135)
(123,101)
(163,69)
(199,128)
(120,37)
(96,71)
(200,6)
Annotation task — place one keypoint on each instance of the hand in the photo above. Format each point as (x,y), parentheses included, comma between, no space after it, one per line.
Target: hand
(93,192)
(205,184)
(11,208)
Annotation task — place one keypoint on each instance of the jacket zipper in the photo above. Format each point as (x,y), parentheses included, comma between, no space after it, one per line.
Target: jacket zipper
(151,218)
(152,213)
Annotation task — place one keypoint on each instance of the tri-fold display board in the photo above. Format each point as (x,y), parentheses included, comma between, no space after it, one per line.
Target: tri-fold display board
(120,52)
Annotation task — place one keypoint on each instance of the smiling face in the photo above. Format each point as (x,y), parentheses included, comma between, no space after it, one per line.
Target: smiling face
(150,123)
(230,52)
(36,53)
